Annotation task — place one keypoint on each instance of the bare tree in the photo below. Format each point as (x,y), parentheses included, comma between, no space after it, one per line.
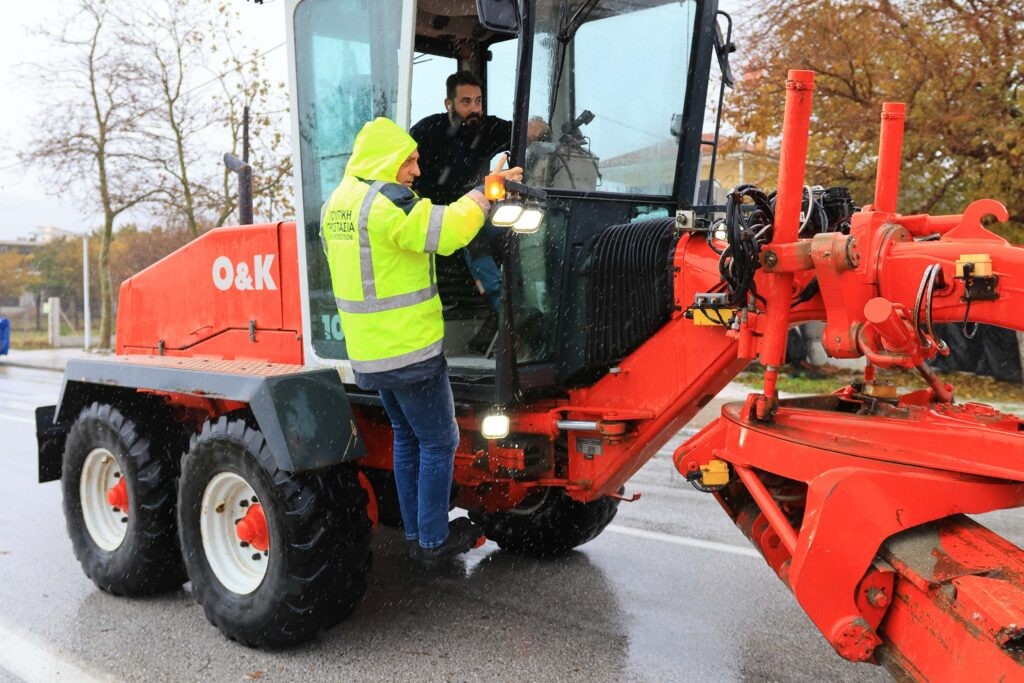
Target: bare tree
(169,36)
(201,82)
(244,85)
(93,135)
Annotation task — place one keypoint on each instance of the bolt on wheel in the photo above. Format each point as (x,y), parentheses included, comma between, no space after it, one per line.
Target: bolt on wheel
(104,495)
(234,530)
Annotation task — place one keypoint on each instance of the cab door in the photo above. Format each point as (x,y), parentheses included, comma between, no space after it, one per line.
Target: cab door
(350,62)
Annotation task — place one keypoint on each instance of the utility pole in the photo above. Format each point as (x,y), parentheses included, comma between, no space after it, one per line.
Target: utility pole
(85,287)
(245,134)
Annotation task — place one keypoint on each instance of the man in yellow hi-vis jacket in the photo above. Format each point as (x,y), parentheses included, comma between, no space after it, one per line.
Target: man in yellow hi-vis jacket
(380,239)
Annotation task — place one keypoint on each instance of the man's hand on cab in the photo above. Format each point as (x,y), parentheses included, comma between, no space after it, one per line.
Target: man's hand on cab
(514,174)
(537,129)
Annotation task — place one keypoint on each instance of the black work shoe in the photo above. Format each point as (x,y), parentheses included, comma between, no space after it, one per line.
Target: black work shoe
(463,536)
(481,341)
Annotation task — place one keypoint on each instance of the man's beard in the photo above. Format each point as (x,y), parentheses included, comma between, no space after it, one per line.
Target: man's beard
(456,122)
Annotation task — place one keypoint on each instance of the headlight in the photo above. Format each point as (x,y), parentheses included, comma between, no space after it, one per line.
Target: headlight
(495,426)
(529,221)
(506,214)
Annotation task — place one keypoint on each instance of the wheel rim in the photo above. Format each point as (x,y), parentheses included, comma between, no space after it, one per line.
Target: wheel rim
(106,523)
(238,557)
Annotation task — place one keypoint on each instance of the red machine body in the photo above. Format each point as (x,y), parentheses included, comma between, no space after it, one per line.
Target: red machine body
(244,278)
(856,499)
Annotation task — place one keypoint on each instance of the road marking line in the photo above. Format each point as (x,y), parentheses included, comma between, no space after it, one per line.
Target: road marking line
(26,420)
(683,540)
(31,659)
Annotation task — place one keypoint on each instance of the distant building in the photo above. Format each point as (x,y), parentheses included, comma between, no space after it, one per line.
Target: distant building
(737,162)
(48,233)
(19,246)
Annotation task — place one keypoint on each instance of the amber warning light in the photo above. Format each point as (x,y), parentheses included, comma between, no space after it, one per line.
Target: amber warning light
(494,187)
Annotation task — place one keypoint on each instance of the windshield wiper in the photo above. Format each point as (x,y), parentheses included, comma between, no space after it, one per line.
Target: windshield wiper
(569,22)
(567,29)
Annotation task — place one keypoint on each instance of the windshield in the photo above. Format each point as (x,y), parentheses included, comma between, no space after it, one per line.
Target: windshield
(608,77)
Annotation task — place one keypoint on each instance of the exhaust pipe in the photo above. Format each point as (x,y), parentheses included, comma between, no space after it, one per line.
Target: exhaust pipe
(244,171)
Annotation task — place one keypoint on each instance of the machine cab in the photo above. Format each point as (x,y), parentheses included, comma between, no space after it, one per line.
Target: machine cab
(620,87)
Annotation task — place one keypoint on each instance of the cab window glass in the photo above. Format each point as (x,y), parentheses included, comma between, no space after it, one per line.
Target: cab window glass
(429,73)
(346,75)
(609,104)
(501,78)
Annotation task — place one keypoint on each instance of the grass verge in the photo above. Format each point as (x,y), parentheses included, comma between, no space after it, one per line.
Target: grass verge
(826,379)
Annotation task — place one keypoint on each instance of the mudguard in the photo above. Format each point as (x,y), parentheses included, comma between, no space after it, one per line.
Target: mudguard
(304,414)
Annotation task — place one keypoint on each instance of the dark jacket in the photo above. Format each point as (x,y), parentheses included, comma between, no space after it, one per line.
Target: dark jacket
(454,160)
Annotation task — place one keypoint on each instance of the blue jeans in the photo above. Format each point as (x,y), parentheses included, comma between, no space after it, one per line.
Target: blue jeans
(485,271)
(479,255)
(426,436)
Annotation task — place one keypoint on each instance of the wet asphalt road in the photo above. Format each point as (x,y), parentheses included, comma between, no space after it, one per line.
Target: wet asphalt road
(670,592)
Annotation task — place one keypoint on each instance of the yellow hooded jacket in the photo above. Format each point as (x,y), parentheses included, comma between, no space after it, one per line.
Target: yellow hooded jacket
(380,239)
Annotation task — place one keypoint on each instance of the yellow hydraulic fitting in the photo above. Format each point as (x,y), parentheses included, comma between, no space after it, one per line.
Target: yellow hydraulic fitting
(881,389)
(715,473)
(982,264)
(719,317)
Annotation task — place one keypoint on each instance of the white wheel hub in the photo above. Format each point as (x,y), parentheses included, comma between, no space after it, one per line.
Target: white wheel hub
(105,523)
(237,564)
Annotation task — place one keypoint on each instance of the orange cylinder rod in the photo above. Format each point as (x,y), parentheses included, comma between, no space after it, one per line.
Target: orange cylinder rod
(890,156)
(792,165)
(775,516)
(897,335)
(869,373)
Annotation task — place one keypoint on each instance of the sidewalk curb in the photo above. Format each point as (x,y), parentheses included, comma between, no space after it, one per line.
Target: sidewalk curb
(29,366)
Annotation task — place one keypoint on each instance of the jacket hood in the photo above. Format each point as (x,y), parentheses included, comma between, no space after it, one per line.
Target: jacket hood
(379,151)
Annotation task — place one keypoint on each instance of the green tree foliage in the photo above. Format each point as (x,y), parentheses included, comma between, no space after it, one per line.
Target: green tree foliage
(135,250)
(16,276)
(55,268)
(955,63)
(58,266)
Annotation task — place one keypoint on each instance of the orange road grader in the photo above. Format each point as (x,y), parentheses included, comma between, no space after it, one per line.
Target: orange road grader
(227,444)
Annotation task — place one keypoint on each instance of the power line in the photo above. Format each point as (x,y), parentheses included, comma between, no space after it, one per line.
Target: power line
(217,77)
(191,90)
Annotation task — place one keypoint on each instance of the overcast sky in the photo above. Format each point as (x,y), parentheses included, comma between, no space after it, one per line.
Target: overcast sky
(24,203)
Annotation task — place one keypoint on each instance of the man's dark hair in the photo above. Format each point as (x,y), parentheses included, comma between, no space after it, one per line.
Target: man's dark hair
(461,78)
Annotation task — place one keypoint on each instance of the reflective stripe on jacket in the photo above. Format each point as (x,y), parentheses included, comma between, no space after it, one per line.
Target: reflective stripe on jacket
(380,240)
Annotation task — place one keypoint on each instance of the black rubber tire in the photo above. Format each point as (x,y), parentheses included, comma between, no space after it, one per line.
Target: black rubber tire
(148,560)
(553,526)
(319,540)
